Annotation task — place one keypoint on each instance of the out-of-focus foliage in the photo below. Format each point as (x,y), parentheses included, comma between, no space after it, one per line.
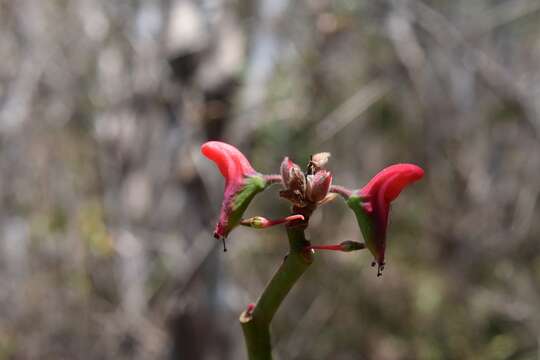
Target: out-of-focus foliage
(106,211)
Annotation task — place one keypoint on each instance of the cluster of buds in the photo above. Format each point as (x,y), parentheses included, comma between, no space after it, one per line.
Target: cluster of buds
(306,190)
(310,189)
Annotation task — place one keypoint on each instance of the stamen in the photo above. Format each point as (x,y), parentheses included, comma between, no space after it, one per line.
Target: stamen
(345,246)
(380,269)
(224,246)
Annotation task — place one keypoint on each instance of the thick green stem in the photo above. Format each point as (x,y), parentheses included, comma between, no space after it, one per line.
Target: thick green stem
(256,323)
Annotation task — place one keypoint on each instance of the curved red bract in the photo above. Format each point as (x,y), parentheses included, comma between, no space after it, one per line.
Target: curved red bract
(235,168)
(232,164)
(394,178)
(379,192)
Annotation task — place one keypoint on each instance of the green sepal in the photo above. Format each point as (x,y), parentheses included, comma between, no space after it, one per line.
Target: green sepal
(365,222)
(252,186)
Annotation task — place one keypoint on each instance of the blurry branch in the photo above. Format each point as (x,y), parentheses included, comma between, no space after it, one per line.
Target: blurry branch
(18,104)
(496,76)
(263,55)
(210,191)
(133,266)
(407,46)
(523,218)
(319,312)
(351,109)
(517,299)
(455,42)
(193,259)
(504,14)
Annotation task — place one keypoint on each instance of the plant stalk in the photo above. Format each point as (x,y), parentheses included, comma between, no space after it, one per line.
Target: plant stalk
(256,323)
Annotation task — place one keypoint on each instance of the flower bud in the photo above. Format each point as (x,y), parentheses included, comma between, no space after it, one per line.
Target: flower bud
(318,185)
(344,246)
(259,222)
(256,222)
(318,161)
(349,245)
(297,181)
(292,176)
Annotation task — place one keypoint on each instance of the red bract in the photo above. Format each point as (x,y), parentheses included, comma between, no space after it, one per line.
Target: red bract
(242,183)
(371,205)
(232,164)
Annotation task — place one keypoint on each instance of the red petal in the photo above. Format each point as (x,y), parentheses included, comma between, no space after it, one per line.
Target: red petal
(232,164)
(398,176)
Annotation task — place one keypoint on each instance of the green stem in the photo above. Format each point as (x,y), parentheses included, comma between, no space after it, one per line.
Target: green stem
(256,324)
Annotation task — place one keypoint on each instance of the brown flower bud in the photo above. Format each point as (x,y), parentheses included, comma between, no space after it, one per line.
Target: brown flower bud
(318,185)
(292,176)
(318,162)
(297,180)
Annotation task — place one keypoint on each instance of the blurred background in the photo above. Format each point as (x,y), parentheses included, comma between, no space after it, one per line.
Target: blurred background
(107,206)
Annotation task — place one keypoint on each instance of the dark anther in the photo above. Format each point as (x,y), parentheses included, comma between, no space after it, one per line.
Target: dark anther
(380,269)
(372,263)
(224,246)
(310,168)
